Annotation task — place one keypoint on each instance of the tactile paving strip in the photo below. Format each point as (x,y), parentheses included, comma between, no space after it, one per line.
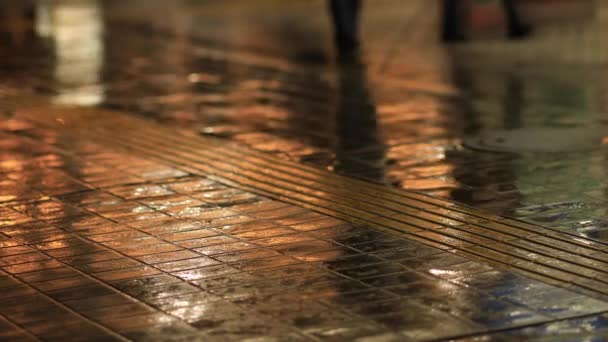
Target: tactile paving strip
(544,254)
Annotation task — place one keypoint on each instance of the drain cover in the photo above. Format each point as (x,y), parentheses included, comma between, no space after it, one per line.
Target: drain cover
(540,140)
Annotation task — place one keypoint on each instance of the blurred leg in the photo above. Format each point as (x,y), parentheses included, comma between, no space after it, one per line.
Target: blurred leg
(345,15)
(452,25)
(516,27)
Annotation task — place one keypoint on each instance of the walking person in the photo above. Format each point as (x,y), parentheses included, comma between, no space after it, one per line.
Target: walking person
(345,16)
(454,13)
(346,13)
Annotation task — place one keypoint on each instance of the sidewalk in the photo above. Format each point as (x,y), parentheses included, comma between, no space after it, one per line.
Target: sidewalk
(121,246)
(205,171)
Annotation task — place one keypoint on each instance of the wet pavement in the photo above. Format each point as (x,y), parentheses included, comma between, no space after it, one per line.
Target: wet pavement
(126,247)
(402,115)
(131,230)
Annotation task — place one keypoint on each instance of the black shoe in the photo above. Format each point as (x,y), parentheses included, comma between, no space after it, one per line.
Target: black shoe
(347,44)
(520,32)
(452,37)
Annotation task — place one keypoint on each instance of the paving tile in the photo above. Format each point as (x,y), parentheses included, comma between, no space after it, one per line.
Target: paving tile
(127,273)
(167,257)
(7,281)
(49,274)
(17,291)
(171,290)
(22,258)
(105,300)
(225,248)
(592,327)
(423,325)
(81,259)
(351,330)
(82,292)
(108,265)
(189,235)
(63,283)
(193,305)
(207,241)
(394,279)
(205,272)
(245,255)
(186,264)
(75,330)
(133,243)
(114,227)
(561,303)
(170,226)
(264,233)
(74,251)
(118,236)
(227,280)
(270,262)
(137,191)
(15,250)
(32,266)
(494,314)
(120,311)
(139,251)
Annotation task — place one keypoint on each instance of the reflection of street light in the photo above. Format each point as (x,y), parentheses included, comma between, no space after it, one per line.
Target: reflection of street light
(444,273)
(77,31)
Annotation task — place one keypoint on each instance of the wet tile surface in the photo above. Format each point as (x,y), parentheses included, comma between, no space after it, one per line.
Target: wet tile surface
(100,244)
(400,119)
(161,258)
(406,127)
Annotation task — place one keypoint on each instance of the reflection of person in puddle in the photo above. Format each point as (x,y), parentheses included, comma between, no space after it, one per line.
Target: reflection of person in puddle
(18,20)
(359,149)
(487,180)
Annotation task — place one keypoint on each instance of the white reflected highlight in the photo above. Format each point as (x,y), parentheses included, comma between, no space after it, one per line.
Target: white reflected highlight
(76,28)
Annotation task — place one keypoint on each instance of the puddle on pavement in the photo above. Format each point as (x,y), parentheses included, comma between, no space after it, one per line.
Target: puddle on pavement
(532,140)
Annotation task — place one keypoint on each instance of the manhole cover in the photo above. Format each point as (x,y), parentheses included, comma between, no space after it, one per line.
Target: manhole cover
(540,140)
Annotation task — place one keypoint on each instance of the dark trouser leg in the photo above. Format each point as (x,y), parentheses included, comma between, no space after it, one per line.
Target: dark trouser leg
(517,29)
(452,25)
(345,15)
